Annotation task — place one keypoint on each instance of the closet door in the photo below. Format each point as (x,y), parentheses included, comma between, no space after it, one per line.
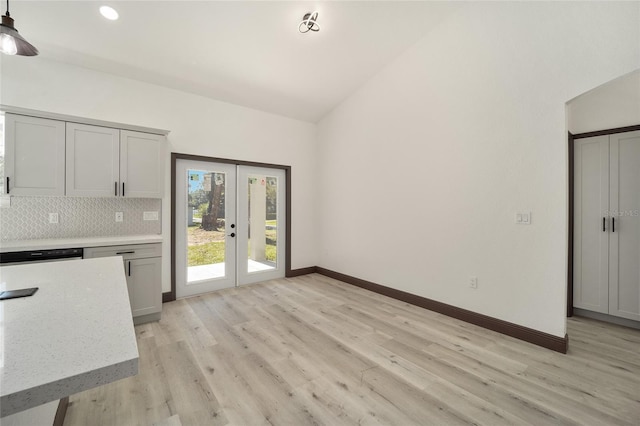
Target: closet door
(591,224)
(624,240)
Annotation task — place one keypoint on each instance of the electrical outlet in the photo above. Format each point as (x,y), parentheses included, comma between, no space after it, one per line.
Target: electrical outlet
(53,217)
(150,216)
(473,282)
(119,216)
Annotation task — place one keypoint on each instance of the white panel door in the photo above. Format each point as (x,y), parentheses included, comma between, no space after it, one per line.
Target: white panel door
(591,224)
(34,156)
(624,239)
(261,224)
(93,161)
(205,242)
(141,164)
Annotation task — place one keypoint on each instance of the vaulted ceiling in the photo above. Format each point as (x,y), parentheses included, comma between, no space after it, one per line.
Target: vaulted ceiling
(246,53)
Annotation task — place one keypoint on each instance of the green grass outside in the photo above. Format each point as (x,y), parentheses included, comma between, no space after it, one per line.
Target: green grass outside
(205,254)
(213,252)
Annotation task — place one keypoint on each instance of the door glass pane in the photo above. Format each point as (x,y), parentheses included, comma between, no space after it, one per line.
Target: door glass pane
(205,225)
(263,223)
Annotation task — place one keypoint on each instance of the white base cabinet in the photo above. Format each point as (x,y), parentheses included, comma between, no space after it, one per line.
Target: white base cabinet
(142,268)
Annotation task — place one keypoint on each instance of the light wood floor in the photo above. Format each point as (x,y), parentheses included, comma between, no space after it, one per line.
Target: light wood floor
(312,350)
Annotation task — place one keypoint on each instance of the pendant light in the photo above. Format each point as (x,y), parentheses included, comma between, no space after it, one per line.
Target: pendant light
(12,43)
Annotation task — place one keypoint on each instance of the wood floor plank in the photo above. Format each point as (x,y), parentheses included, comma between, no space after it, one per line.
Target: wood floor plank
(194,399)
(313,350)
(219,368)
(545,397)
(138,400)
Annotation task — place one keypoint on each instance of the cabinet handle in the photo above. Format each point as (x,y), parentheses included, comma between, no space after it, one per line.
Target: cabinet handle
(604,222)
(125,252)
(7,184)
(613,224)
(123,189)
(129,268)
(115,188)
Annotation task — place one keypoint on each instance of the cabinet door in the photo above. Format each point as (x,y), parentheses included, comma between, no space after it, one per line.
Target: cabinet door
(141,164)
(591,233)
(143,281)
(34,156)
(93,156)
(624,245)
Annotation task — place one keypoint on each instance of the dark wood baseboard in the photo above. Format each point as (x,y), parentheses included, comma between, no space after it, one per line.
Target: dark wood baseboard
(168,297)
(61,412)
(302,271)
(530,335)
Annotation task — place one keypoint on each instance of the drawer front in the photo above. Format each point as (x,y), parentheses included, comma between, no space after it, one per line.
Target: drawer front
(128,252)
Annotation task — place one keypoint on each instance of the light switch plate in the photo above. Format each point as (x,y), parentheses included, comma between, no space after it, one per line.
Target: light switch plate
(53,217)
(5,201)
(150,216)
(119,216)
(523,218)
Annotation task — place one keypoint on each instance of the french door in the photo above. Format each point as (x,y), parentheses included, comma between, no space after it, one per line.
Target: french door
(229,225)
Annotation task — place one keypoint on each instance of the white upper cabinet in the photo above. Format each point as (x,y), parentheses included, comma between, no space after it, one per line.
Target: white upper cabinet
(106,162)
(93,161)
(141,164)
(53,154)
(34,156)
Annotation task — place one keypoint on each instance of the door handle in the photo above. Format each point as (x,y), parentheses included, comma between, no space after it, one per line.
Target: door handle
(7,184)
(123,189)
(613,224)
(125,252)
(233,225)
(233,234)
(115,188)
(129,268)
(604,224)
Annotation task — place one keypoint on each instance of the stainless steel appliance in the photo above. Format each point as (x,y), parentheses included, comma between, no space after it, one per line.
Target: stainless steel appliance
(40,256)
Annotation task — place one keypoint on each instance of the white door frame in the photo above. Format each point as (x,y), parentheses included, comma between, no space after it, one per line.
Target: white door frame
(169,296)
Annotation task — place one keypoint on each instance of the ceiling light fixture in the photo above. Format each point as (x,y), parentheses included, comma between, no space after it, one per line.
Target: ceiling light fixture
(309,23)
(12,43)
(109,13)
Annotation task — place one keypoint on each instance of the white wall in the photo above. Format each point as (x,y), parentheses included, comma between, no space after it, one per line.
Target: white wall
(198,126)
(423,169)
(611,105)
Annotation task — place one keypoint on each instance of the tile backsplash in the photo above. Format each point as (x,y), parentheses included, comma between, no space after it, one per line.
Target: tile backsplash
(28,217)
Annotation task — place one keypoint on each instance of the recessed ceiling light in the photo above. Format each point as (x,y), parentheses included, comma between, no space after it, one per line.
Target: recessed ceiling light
(109,13)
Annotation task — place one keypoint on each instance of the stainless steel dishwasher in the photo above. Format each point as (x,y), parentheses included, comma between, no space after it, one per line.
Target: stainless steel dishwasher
(40,256)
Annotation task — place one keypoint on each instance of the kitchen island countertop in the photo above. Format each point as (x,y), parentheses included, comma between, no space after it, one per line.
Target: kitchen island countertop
(73,334)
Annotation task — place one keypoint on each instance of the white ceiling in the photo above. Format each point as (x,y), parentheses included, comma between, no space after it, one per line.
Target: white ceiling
(246,53)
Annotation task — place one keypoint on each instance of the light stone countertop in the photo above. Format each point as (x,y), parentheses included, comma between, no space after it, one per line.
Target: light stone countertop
(73,334)
(61,243)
